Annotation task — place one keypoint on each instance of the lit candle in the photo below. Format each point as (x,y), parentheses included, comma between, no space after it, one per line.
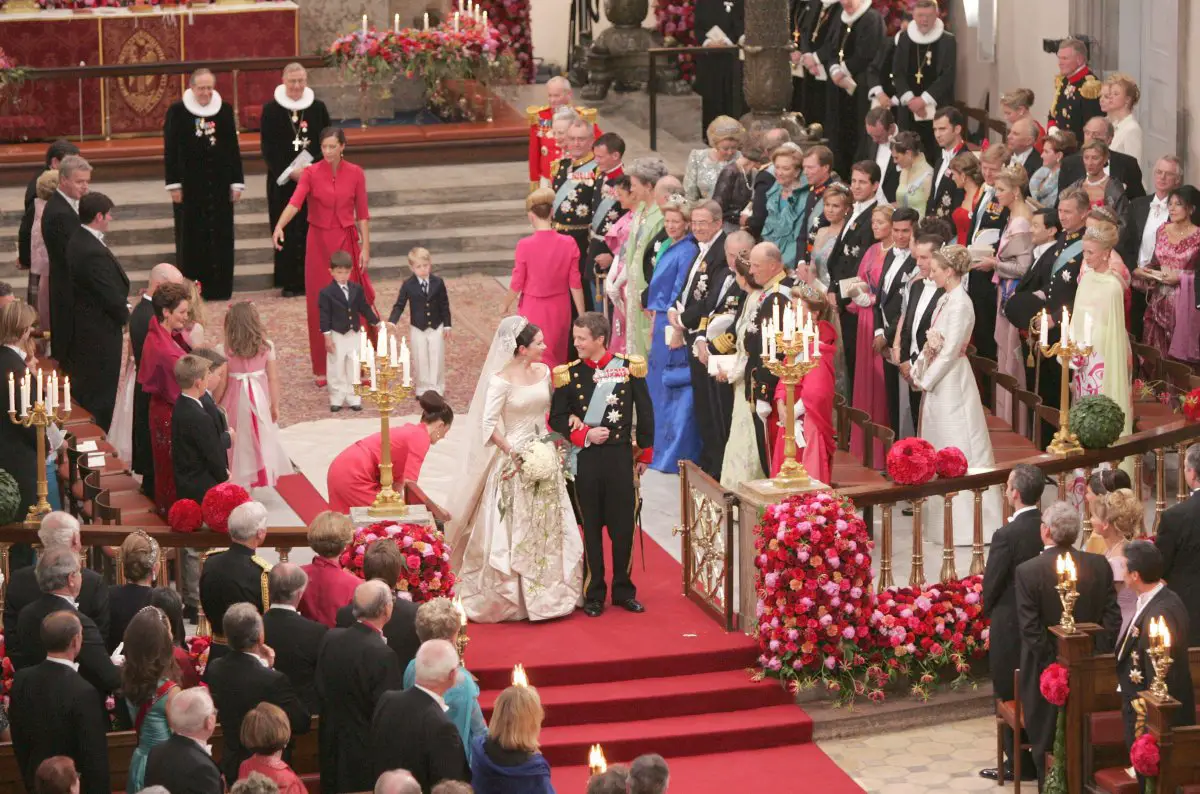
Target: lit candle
(460,6)
(392,350)
(776,316)
(597,764)
(1153,632)
(456,22)
(39,385)
(1164,633)
(518,676)
(25,395)
(371,359)
(67,394)
(50,392)
(485,22)
(405,362)
(1045,335)
(396,23)
(364,31)
(789,323)
(426,20)
(1071,570)
(1066,326)
(12,394)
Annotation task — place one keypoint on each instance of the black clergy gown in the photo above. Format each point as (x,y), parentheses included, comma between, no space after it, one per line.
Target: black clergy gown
(855,43)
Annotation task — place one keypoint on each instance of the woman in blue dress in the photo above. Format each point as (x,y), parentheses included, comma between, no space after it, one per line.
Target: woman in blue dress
(669,376)
(148,680)
(440,620)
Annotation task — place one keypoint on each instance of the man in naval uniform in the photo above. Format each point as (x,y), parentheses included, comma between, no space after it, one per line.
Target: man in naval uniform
(574,185)
(543,149)
(609,148)
(766,268)
(1076,89)
(602,404)
(204,177)
(236,574)
(923,70)
(291,123)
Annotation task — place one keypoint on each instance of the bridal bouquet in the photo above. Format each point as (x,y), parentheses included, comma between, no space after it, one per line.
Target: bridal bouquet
(537,466)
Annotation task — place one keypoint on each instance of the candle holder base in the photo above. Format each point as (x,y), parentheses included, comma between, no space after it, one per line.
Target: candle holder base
(776,489)
(792,474)
(413,514)
(1067,595)
(388,504)
(1065,443)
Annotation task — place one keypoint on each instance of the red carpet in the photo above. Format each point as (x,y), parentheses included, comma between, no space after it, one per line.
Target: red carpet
(301,496)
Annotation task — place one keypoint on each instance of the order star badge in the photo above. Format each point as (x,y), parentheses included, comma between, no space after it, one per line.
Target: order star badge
(614,416)
(1135,675)
(612,399)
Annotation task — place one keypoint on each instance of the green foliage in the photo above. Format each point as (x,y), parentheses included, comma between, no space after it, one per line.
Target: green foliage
(1097,421)
(10,498)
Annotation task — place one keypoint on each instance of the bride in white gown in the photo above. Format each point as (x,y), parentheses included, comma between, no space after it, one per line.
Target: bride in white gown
(516,547)
(951,411)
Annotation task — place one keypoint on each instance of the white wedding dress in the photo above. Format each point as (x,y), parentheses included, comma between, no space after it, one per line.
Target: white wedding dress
(952,416)
(528,562)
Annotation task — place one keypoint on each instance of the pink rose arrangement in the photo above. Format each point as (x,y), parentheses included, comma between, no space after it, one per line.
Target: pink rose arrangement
(427,572)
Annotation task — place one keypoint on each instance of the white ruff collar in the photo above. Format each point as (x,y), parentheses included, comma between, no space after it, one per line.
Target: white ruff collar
(828,3)
(850,19)
(203,111)
(303,103)
(926,38)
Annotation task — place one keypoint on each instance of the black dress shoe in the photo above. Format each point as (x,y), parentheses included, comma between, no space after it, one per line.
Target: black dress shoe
(1027,773)
(631,604)
(355,407)
(333,409)
(191,614)
(593,609)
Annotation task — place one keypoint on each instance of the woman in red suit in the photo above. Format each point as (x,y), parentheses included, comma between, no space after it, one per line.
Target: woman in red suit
(338,220)
(353,479)
(164,346)
(964,169)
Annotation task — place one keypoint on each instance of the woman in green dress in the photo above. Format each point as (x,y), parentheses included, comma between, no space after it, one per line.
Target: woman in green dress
(148,681)
(646,224)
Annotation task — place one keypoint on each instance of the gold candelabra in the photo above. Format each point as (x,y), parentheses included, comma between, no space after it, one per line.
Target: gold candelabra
(1067,594)
(39,411)
(797,342)
(1065,442)
(1160,656)
(385,389)
(462,640)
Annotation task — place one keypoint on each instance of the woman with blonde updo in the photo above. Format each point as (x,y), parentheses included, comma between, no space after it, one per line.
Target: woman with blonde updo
(1119,95)
(1117,518)
(546,278)
(705,165)
(951,411)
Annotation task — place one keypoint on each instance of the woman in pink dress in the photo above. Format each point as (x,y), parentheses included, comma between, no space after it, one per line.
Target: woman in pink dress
(353,479)
(39,258)
(163,347)
(1171,323)
(814,404)
(338,220)
(618,275)
(869,392)
(546,277)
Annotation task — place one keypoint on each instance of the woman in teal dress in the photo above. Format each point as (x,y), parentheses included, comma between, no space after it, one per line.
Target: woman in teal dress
(148,680)
(439,620)
(785,204)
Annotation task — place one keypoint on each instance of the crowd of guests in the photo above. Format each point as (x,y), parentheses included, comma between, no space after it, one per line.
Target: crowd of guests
(399,712)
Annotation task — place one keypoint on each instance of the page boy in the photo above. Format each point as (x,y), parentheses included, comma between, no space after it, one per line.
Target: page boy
(429,321)
(341,305)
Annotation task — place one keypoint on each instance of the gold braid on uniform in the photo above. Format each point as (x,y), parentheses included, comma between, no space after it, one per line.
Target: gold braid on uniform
(533,111)
(1090,88)
(562,374)
(724,344)
(637,366)
(264,579)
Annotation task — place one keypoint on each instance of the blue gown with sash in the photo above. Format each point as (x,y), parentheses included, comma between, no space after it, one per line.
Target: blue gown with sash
(668,375)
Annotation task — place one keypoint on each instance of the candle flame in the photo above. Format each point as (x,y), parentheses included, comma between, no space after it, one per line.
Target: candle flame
(518,676)
(596,761)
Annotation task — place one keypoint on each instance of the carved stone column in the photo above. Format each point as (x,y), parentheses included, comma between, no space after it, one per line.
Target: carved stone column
(617,59)
(767,73)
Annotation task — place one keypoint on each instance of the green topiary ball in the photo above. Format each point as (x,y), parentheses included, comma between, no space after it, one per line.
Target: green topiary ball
(10,498)
(1097,421)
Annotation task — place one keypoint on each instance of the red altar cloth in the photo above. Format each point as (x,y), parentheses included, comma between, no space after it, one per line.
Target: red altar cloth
(137,104)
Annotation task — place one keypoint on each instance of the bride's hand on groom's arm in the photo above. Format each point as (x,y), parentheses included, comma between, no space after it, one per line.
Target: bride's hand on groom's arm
(574,422)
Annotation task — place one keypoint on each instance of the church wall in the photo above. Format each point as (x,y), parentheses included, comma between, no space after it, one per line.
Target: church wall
(1191,93)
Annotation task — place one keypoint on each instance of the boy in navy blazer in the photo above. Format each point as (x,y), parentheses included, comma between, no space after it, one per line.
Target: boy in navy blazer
(341,304)
(429,321)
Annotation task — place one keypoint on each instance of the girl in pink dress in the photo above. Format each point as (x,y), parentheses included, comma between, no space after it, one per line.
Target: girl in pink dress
(546,277)
(869,392)
(250,397)
(815,444)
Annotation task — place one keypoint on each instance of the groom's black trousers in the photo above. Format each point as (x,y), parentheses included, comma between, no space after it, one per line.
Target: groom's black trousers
(604,488)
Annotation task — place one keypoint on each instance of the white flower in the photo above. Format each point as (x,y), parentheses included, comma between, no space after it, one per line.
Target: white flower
(539,462)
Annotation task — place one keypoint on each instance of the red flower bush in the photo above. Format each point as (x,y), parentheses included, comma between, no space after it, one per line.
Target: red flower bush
(676,21)
(6,674)
(950,462)
(185,516)
(1190,404)
(1144,755)
(510,18)
(911,461)
(219,502)
(1053,684)
(426,558)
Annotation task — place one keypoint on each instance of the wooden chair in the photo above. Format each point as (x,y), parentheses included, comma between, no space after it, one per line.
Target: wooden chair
(1009,714)
(985,374)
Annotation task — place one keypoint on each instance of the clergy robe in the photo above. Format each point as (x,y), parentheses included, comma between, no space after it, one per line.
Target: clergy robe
(289,126)
(812,21)
(719,76)
(924,66)
(851,48)
(201,156)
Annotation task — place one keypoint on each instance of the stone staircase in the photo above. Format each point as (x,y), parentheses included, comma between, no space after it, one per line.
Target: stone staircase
(470,226)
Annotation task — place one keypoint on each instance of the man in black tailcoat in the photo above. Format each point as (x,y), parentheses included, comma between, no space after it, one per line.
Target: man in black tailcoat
(1123,167)
(898,265)
(204,177)
(295,639)
(948,126)
(1179,540)
(766,269)
(719,76)
(60,221)
(876,145)
(989,218)
(1014,543)
(923,71)
(916,318)
(847,58)
(848,251)
(614,433)
(1039,608)
(54,155)
(383,562)
(291,123)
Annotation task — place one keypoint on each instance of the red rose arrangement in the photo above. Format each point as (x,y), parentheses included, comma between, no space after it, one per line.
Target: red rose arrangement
(510,19)
(1054,685)
(6,674)
(911,462)
(185,516)
(676,21)
(197,648)
(1144,755)
(950,462)
(219,502)
(426,558)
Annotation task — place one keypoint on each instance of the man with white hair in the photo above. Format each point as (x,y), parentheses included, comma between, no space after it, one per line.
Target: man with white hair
(139,327)
(236,574)
(397,781)
(1039,608)
(1122,167)
(410,729)
(292,121)
(204,177)
(183,764)
(573,179)
(60,220)
(544,151)
(1076,89)
(59,530)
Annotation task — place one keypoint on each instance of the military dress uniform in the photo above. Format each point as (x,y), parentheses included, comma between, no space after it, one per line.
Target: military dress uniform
(606,210)
(574,184)
(604,481)
(231,576)
(1060,286)
(1076,99)
(761,382)
(543,149)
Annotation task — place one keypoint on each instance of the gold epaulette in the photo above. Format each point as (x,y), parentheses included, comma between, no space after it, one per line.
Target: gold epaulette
(1090,88)
(588,114)
(554,169)
(562,374)
(724,344)
(704,323)
(533,111)
(264,581)
(637,366)
(261,563)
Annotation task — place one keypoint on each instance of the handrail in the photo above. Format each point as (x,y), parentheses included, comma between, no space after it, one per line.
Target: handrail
(173,67)
(115,534)
(652,86)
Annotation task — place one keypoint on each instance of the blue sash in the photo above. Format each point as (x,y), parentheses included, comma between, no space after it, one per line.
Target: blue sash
(1070,252)
(569,184)
(598,405)
(606,204)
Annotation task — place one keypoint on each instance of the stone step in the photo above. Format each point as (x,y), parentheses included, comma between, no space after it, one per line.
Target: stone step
(252,248)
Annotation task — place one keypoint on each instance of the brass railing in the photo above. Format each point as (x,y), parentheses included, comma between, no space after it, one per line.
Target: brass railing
(707,521)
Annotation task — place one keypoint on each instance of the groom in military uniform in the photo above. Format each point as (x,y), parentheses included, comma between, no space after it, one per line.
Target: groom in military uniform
(595,401)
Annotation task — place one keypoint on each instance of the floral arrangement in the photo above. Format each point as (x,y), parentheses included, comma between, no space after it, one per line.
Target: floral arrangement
(10,498)
(1169,395)
(820,621)
(12,76)
(1054,685)
(1145,757)
(197,648)
(511,20)
(896,13)
(1097,420)
(950,462)
(912,461)
(219,502)
(6,675)
(426,558)
(676,21)
(185,516)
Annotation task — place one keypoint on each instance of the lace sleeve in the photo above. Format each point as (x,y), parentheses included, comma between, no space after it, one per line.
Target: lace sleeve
(497,396)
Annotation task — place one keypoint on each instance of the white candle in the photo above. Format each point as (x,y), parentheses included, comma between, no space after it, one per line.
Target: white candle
(456,22)
(405,362)
(392,350)
(12,393)
(776,315)
(25,395)
(426,20)
(485,22)
(1045,327)
(67,394)
(460,6)
(1066,326)
(372,369)
(364,30)
(40,397)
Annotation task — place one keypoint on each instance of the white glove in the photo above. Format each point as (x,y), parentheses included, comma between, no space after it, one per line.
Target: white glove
(763,409)
(798,433)
(118,658)
(799,410)
(862,299)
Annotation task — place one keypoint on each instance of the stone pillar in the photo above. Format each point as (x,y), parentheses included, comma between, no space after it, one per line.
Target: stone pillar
(768,77)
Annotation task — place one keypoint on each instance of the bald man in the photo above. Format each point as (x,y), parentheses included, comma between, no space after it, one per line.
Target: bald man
(1021,139)
(139,326)
(543,148)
